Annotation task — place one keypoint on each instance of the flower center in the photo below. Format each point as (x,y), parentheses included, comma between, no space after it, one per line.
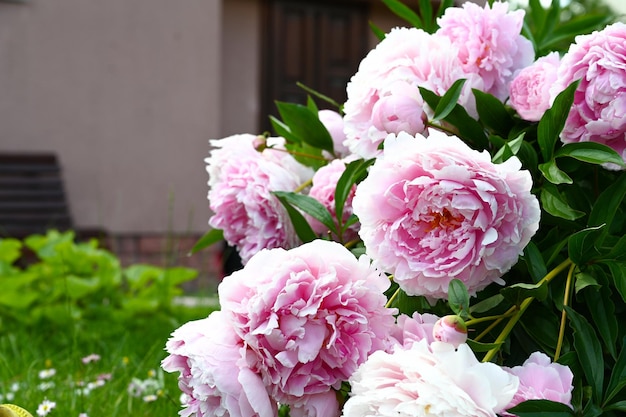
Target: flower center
(444,219)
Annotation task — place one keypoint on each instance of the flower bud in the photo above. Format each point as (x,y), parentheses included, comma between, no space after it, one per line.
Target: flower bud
(260,143)
(450,329)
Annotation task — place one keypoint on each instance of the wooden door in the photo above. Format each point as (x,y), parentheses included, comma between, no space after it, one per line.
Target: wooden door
(317,43)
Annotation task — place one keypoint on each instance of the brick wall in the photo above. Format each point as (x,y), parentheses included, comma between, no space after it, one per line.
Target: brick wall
(170,250)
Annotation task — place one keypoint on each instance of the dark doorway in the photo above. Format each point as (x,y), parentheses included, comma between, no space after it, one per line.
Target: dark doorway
(317,43)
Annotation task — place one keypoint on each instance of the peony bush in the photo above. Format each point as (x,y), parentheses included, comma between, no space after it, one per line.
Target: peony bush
(448,242)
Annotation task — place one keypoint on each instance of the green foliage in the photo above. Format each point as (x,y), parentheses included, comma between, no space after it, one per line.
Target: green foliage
(81,286)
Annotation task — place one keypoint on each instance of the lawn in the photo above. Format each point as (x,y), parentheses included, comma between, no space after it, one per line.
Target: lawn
(81,336)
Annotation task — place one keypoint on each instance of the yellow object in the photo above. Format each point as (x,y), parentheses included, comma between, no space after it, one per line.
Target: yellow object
(12,410)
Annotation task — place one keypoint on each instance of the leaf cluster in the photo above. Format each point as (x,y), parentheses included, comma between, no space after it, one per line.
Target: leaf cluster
(80,284)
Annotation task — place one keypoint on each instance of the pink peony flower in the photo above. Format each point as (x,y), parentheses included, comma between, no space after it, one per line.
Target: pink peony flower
(383,96)
(433,209)
(323,190)
(530,89)
(209,356)
(333,122)
(599,110)
(434,380)
(489,42)
(540,379)
(450,329)
(241,181)
(308,317)
(411,329)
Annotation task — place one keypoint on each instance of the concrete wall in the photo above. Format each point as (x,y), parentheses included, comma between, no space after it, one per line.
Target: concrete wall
(126,92)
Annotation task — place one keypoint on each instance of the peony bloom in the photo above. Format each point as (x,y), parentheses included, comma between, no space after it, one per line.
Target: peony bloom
(323,190)
(530,89)
(411,329)
(489,42)
(208,355)
(333,122)
(434,380)
(598,114)
(308,318)
(540,379)
(241,181)
(450,329)
(433,209)
(383,96)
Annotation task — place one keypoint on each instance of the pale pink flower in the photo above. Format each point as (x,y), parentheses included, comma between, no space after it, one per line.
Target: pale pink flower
(308,317)
(333,122)
(541,379)
(383,96)
(411,329)
(450,329)
(429,380)
(598,114)
(213,376)
(530,89)
(94,357)
(432,209)
(241,182)
(489,42)
(323,190)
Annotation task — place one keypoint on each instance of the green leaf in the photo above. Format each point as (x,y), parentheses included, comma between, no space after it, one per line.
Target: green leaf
(209,238)
(310,206)
(404,12)
(305,125)
(589,351)
(443,5)
(283,130)
(408,304)
(607,203)
(355,172)
(378,32)
(458,298)
(591,152)
(617,406)
(482,347)
(469,129)
(10,250)
(300,225)
(426,11)
(553,203)
(492,113)
(517,293)
(509,149)
(584,280)
(541,408)
(618,376)
(581,245)
(486,304)
(310,104)
(320,95)
(448,100)
(618,273)
(78,287)
(534,262)
(553,120)
(554,174)
(602,311)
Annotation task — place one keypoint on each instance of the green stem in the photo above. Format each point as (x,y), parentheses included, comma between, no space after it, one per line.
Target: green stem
(302,154)
(522,308)
(488,318)
(393,297)
(568,286)
(303,186)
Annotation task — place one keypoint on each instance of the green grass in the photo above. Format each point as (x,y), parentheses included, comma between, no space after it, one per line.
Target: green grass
(130,356)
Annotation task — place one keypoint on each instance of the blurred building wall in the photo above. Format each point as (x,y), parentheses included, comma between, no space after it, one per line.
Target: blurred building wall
(126,93)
